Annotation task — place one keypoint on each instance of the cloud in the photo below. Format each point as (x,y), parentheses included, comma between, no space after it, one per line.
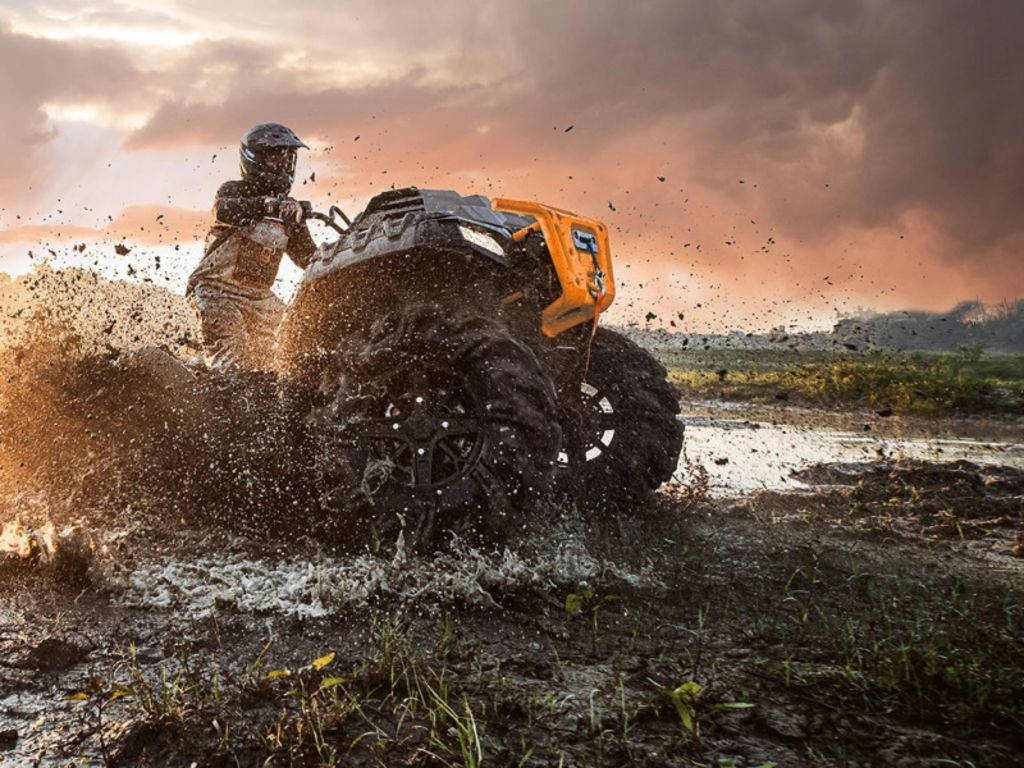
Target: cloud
(832,128)
(894,106)
(38,72)
(114,21)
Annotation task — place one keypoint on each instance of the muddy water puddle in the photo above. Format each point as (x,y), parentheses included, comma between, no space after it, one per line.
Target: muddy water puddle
(157,595)
(744,456)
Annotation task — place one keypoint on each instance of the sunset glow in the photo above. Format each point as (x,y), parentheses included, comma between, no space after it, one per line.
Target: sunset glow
(756,166)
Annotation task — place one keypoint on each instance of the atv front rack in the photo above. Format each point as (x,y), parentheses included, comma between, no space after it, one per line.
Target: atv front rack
(583,262)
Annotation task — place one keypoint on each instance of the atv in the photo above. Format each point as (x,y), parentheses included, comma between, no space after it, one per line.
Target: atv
(445,354)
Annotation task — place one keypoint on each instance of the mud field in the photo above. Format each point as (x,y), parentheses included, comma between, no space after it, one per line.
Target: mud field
(803,595)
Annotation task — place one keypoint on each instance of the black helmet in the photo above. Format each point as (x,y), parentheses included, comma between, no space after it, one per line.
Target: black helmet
(268,155)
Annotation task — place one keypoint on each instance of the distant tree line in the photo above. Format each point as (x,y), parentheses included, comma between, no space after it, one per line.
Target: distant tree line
(968,324)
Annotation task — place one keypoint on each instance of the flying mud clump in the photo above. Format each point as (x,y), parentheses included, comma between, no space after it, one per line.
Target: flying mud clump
(102,418)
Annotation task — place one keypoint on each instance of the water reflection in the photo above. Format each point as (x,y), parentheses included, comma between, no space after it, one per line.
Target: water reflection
(745,456)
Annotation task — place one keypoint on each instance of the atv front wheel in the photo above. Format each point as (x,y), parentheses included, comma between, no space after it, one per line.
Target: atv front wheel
(621,437)
(443,424)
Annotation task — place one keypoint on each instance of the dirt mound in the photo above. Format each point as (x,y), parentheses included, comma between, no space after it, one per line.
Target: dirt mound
(954,501)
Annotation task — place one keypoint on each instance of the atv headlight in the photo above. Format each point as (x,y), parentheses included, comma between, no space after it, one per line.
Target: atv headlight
(482,239)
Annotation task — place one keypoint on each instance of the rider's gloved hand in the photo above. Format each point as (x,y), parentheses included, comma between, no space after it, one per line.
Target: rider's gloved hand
(291,210)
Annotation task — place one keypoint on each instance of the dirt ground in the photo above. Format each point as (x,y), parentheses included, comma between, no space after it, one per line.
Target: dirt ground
(875,619)
(170,601)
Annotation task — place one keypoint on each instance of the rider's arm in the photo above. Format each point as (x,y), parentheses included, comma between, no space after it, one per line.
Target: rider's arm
(235,204)
(300,245)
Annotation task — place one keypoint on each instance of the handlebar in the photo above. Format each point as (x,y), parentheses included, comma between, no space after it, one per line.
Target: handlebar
(327,218)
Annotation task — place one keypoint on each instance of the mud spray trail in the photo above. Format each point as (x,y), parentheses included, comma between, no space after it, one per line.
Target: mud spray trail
(167,595)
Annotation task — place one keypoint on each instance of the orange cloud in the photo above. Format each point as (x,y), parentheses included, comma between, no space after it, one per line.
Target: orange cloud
(33,233)
(820,155)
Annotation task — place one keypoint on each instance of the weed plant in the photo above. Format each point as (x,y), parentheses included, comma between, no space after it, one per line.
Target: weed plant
(967,381)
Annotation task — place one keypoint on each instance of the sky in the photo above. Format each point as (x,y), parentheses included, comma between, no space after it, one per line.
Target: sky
(758,163)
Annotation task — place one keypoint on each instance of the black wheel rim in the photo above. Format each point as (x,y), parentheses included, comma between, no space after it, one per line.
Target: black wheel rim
(422,430)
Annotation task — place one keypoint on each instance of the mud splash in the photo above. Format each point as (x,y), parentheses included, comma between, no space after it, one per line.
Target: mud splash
(221,619)
(319,586)
(101,313)
(69,556)
(18,541)
(115,454)
(118,433)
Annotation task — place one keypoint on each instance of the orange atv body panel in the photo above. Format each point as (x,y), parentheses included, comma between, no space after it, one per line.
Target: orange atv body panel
(583,262)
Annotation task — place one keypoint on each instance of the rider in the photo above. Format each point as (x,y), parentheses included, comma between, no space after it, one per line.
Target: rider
(255,223)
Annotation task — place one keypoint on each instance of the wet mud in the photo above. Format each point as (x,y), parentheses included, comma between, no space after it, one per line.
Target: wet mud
(958,504)
(167,597)
(872,618)
(705,633)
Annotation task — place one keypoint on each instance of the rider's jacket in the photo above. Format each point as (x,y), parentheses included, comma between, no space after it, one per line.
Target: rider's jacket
(246,242)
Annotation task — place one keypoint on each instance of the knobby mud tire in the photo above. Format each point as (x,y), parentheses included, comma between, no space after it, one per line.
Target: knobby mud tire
(514,453)
(648,437)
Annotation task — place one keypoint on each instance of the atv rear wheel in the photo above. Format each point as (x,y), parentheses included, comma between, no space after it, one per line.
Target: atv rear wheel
(621,437)
(442,424)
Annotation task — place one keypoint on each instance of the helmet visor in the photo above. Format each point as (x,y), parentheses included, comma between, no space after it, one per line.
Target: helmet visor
(279,159)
